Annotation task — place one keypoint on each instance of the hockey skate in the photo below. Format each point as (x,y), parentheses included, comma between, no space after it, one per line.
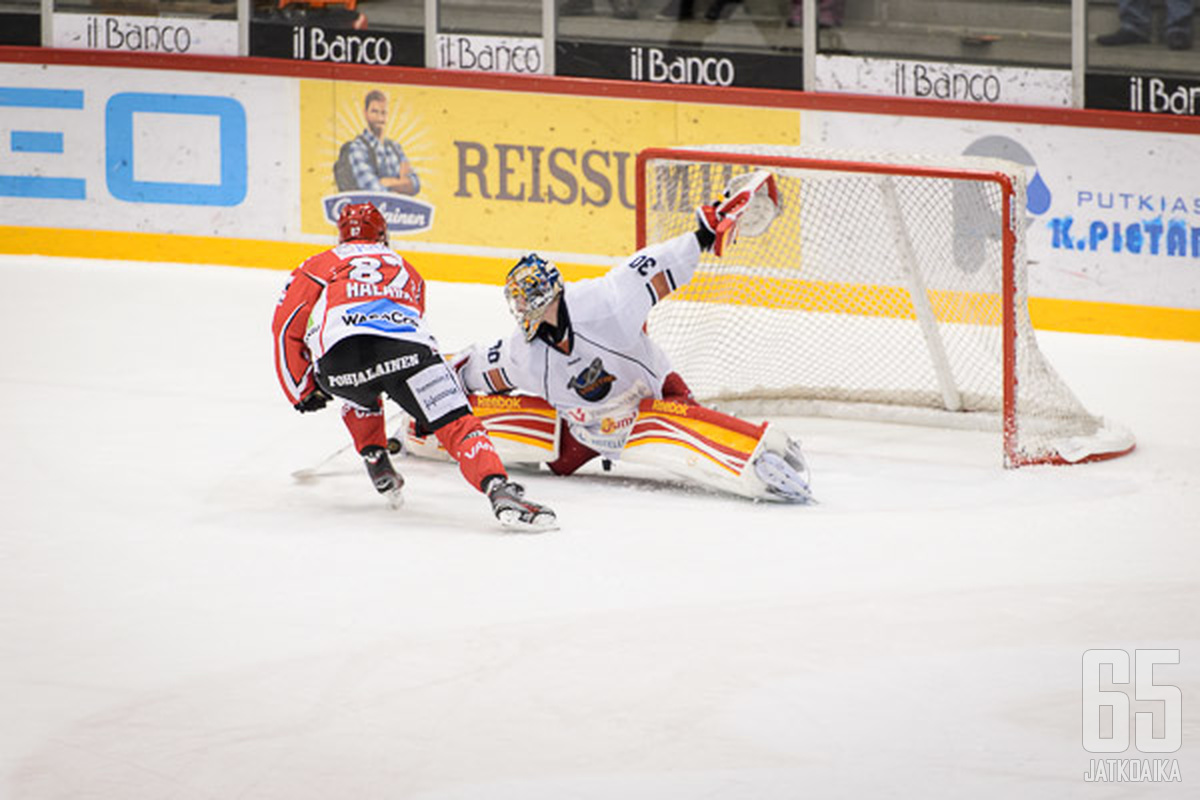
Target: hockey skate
(785,474)
(383,475)
(514,511)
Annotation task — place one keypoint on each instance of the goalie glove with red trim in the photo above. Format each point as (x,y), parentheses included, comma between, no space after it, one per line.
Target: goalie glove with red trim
(750,205)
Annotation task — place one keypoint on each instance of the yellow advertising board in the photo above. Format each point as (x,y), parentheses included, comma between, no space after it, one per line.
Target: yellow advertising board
(503,170)
(224,167)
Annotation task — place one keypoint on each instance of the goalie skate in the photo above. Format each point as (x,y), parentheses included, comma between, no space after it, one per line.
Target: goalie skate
(782,479)
(514,511)
(383,475)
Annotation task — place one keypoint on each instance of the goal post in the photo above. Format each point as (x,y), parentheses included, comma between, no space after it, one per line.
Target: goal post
(892,288)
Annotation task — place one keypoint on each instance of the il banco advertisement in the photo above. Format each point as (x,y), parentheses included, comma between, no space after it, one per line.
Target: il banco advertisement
(936,80)
(176,35)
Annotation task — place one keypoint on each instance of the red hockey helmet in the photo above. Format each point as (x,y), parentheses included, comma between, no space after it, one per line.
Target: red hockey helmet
(361,222)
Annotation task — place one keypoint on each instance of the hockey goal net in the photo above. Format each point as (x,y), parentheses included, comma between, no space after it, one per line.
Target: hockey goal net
(887,288)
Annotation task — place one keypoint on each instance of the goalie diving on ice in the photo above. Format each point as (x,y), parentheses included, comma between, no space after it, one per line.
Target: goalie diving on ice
(580,379)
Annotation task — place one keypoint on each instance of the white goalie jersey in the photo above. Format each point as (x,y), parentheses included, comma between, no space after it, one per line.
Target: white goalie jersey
(597,376)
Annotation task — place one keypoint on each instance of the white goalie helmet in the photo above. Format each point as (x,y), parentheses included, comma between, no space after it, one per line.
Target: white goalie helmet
(531,286)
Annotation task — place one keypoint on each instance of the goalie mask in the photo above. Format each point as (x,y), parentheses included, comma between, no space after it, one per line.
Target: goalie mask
(361,222)
(532,285)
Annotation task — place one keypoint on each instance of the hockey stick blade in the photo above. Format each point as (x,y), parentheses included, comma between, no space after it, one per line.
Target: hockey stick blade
(309,474)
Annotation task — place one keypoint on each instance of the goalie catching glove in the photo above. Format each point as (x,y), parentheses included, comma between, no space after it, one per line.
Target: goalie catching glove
(749,205)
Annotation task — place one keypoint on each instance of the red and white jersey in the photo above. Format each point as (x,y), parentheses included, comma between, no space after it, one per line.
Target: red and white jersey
(610,364)
(354,289)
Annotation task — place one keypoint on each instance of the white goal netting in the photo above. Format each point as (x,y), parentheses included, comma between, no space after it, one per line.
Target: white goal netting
(878,292)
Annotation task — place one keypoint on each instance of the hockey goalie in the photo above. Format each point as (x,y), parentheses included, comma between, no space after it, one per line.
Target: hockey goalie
(579,378)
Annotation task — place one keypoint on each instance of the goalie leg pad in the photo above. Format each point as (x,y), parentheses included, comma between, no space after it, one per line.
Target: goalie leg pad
(697,444)
(712,449)
(468,443)
(523,429)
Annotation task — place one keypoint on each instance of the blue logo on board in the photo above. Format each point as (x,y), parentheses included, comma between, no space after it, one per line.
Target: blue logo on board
(403,214)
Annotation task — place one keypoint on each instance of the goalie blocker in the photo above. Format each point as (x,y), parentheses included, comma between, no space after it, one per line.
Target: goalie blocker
(697,444)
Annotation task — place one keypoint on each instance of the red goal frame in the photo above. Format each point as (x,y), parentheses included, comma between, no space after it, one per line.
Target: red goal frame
(1013,457)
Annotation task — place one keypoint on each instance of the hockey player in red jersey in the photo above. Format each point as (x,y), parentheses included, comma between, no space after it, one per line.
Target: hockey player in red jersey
(583,349)
(350,325)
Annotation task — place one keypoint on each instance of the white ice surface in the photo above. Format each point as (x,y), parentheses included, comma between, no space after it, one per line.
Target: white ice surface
(180,619)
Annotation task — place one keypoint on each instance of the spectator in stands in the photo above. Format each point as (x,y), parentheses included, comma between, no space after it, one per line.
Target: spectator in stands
(829,13)
(678,9)
(717,8)
(621,9)
(1135,24)
(298,12)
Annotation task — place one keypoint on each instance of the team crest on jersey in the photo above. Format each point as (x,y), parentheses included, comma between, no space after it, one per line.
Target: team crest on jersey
(593,384)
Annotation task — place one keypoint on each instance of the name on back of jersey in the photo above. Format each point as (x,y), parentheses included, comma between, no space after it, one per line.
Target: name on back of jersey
(356,290)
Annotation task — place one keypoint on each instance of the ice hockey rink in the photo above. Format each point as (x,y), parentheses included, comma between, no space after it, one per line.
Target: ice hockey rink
(182,620)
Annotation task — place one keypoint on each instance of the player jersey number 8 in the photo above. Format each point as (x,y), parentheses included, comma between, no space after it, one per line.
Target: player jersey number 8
(371,293)
(366,269)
